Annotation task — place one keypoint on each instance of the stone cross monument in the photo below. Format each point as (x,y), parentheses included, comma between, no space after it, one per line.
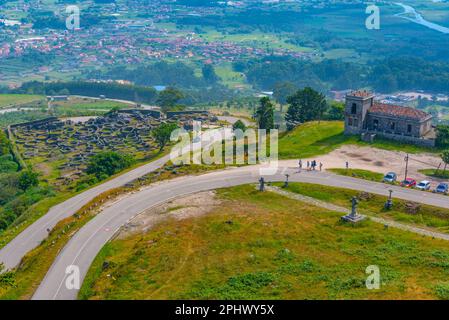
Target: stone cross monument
(353,217)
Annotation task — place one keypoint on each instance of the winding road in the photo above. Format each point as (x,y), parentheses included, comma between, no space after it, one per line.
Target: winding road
(32,236)
(87,242)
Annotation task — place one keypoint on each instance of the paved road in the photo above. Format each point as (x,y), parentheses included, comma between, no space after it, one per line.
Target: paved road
(33,235)
(86,243)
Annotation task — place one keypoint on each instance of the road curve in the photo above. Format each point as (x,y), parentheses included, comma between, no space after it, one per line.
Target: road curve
(87,242)
(33,235)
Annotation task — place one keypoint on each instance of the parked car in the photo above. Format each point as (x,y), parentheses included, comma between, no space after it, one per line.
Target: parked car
(442,188)
(423,185)
(408,183)
(390,177)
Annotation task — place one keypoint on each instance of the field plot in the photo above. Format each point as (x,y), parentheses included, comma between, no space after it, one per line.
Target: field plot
(76,106)
(9,100)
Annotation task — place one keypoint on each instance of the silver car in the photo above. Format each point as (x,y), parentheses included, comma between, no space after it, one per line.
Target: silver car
(390,177)
(423,185)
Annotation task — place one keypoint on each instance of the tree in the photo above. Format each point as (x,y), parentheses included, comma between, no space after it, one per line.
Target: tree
(107,163)
(265,114)
(239,125)
(64,92)
(28,179)
(4,144)
(162,134)
(209,74)
(445,158)
(336,111)
(442,136)
(113,110)
(168,98)
(283,90)
(305,105)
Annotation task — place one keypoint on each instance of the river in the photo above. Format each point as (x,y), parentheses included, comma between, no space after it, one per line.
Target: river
(419,18)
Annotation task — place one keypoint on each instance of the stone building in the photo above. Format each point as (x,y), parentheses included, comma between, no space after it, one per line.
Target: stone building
(369,118)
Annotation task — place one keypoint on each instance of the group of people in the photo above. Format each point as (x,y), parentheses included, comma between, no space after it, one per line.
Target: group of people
(311,165)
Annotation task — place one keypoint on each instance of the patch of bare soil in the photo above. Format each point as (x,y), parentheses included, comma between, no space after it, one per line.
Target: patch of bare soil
(378,160)
(194,205)
(43,168)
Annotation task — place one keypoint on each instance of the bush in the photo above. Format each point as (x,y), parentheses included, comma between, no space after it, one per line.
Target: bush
(239,125)
(442,136)
(20,203)
(7,278)
(442,291)
(28,179)
(4,144)
(8,166)
(106,164)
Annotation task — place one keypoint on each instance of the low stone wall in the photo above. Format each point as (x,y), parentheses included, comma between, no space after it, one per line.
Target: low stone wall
(368,136)
(171,114)
(152,113)
(35,122)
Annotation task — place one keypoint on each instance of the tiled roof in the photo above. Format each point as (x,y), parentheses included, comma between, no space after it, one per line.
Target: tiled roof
(397,111)
(360,94)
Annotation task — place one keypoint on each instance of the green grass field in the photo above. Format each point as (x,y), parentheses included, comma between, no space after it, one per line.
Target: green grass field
(427,216)
(312,139)
(264,246)
(317,138)
(85,107)
(17,99)
(358,173)
(435,173)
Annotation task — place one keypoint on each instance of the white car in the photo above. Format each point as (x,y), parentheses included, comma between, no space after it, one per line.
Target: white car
(423,185)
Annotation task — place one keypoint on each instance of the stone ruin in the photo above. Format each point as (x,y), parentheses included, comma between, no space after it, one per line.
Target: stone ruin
(70,144)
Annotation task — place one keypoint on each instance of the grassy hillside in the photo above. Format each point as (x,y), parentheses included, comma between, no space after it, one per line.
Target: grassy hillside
(317,138)
(264,246)
(16,99)
(312,139)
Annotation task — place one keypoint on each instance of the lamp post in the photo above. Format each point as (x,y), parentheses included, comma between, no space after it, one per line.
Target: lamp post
(261,184)
(286,180)
(389,203)
(406,166)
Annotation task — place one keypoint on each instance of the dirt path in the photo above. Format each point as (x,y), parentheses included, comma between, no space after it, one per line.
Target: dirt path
(378,160)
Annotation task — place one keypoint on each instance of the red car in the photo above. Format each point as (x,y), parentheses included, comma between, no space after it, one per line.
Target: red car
(408,183)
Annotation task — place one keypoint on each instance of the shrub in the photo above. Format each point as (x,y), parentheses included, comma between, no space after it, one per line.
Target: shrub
(8,166)
(442,291)
(28,179)
(105,164)
(239,125)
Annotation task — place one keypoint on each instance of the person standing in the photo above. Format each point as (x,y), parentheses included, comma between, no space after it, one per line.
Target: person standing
(300,164)
(347,165)
(321,166)
(308,164)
